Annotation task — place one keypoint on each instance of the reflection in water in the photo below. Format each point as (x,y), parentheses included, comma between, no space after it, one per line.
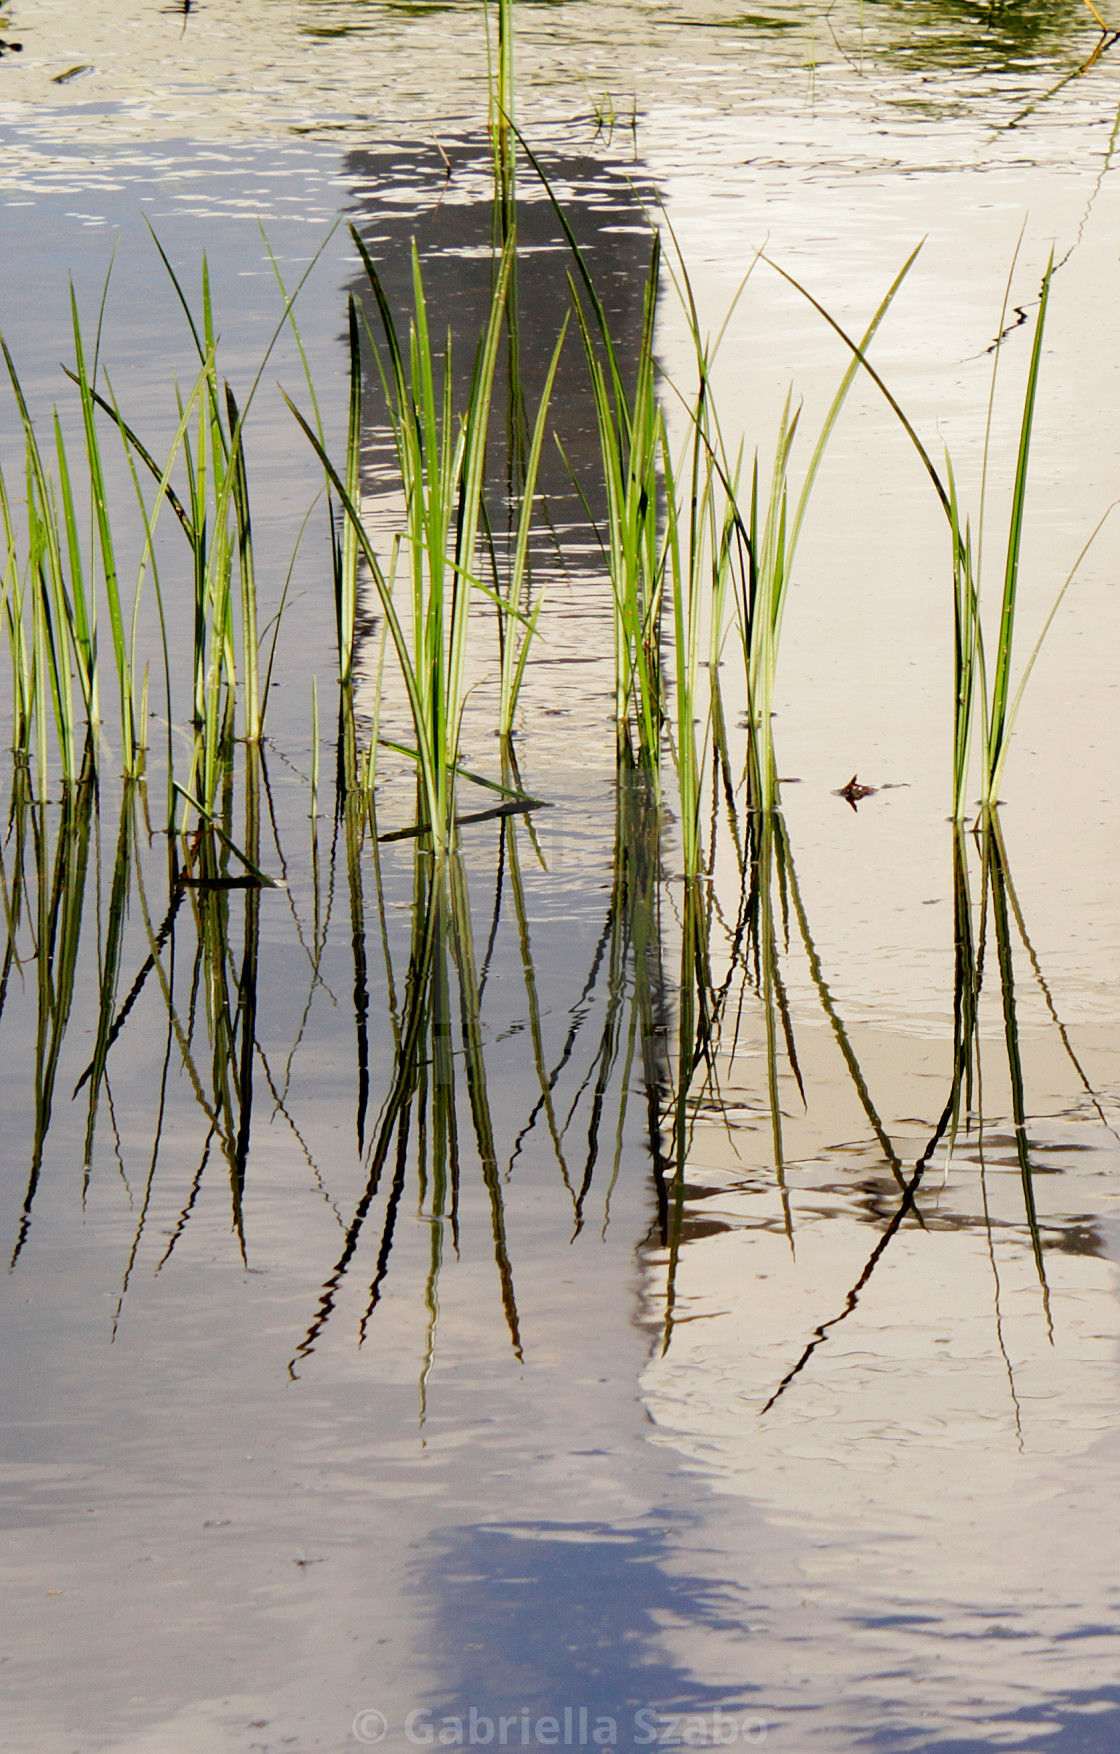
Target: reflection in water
(211,1019)
(446,1044)
(475,1100)
(479,1078)
(51,895)
(568,1620)
(419,1116)
(996,37)
(949,1373)
(443,202)
(439,1082)
(439,1093)
(754,955)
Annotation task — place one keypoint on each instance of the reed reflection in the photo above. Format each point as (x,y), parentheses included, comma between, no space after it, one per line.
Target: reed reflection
(985,907)
(952,33)
(44,888)
(675,980)
(438,1120)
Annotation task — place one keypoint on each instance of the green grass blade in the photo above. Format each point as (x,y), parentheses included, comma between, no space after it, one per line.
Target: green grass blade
(998,729)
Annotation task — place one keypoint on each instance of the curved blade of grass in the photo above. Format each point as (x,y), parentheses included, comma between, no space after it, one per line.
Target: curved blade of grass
(513,669)
(998,729)
(927,461)
(425,752)
(1013,710)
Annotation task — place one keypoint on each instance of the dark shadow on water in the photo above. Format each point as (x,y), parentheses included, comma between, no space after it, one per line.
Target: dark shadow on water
(539,1617)
(442,198)
(1080,1722)
(573,1622)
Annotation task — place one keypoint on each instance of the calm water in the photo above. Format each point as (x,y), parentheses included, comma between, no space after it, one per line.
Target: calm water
(295,1433)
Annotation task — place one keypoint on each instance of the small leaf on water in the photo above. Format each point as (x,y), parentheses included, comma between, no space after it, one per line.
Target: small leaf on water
(854,792)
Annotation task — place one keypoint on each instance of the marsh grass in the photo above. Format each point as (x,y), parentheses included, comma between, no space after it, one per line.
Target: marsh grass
(218,526)
(987,697)
(440,455)
(778,509)
(69,573)
(986,700)
(683,536)
(708,556)
(630,430)
(501,81)
(631,450)
(698,555)
(52,591)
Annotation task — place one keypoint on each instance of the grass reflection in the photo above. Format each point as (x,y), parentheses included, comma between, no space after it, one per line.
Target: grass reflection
(683,964)
(438,1059)
(437,1122)
(56,876)
(955,33)
(985,906)
(676,979)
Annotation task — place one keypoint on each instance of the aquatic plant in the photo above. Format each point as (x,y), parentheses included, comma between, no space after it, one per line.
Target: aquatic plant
(693,560)
(678,529)
(52,590)
(988,706)
(774,532)
(630,429)
(992,712)
(501,82)
(58,582)
(440,457)
(985,709)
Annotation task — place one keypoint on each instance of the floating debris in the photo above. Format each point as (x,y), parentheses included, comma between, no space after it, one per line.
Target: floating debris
(854,792)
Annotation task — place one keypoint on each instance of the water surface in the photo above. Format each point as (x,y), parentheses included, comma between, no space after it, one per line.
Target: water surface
(267,1468)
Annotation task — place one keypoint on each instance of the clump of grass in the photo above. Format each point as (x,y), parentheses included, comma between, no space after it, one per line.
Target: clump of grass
(502,88)
(52,592)
(60,585)
(985,708)
(707,553)
(217,522)
(441,462)
(53,588)
(776,519)
(631,449)
(679,529)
